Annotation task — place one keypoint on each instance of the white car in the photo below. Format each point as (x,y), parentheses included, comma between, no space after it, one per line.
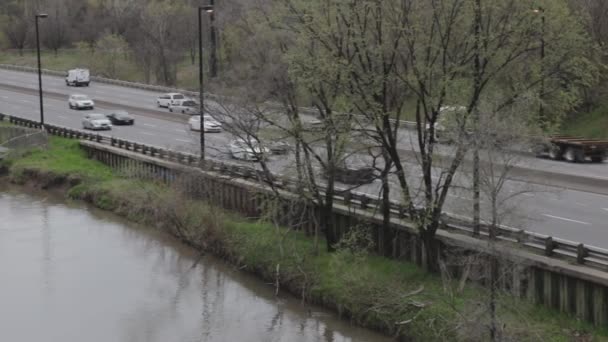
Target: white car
(169,99)
(210,124)
(79,101)
(96,122)
(240,149)
(187,106)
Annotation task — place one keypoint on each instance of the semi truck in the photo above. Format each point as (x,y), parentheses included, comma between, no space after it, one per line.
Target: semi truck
(574,149)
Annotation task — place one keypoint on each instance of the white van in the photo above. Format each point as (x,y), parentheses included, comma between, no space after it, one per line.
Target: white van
(78,77)
(169,99)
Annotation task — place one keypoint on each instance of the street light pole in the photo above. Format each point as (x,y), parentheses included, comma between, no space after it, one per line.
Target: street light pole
(213,41)
(208,9)
(541,108)
(40,15)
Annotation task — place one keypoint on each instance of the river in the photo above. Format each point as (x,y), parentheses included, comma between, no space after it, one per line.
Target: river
(73,273)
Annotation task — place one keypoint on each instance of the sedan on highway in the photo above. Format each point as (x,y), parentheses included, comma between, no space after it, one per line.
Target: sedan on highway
(252,151)
(79,101)
(210,124)
(120,117)
(96,122)
(190,107)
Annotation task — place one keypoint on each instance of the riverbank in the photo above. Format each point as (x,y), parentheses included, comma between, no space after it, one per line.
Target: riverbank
(394,297)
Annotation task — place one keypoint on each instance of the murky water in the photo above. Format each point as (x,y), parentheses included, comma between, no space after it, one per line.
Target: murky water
(72,273)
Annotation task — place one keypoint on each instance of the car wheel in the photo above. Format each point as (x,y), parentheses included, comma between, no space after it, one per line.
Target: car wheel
(183,112)
(171,109)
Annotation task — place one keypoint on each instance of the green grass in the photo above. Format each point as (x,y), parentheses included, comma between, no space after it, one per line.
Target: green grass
(63,157)
(588,125)
(373,291)
(187,74)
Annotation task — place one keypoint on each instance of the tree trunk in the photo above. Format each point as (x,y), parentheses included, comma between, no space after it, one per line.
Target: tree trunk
(383,232)
(326,224)
(431,249)
(493,297)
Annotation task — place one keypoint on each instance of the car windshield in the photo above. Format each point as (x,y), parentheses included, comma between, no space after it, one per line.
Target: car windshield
(178,97)
(122,115)
(80,97)
(189,104)
(96,116)
(244,144)
(209,118)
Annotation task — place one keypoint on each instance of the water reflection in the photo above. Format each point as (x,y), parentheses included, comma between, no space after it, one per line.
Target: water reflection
(71,273)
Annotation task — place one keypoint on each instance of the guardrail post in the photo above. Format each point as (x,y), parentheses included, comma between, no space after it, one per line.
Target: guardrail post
(364,202)
(549,246)
(581,253)
(347,198)
(402,212)
(521,236)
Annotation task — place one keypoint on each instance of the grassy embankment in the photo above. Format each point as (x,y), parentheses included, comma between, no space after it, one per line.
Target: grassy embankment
(187,75)
(395,297)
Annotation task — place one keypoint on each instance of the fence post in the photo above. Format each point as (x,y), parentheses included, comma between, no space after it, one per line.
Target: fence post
(549,246)
(364,202)
(581,253)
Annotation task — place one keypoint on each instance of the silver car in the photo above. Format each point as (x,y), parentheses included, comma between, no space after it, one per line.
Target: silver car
(210,124)
(190,107)
(79,101)
(240,149)
(96,122)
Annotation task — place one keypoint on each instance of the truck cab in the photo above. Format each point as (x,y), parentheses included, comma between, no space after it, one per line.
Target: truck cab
(78,77)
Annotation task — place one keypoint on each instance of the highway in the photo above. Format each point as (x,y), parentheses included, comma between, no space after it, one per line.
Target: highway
(568,214)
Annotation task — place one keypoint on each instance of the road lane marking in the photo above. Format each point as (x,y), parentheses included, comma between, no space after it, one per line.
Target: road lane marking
(179,130)
(567,219)
(149,125)
(146,133)
(62,116)
(183,140)
(605,209)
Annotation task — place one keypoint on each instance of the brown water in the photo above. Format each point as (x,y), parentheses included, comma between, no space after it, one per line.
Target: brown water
(72,273)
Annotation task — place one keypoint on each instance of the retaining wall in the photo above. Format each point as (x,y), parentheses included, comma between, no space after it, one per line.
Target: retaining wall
(571,288)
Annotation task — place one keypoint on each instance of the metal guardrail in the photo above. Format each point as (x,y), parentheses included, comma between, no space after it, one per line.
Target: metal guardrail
(549,246)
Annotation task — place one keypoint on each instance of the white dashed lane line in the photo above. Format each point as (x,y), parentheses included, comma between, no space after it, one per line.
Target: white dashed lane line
(183,140)
(567,219)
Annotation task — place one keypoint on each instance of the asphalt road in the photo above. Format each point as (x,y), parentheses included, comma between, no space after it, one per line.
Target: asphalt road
(567,214)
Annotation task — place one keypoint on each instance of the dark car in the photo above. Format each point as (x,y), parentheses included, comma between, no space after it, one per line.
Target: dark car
(121,118)
(354,175)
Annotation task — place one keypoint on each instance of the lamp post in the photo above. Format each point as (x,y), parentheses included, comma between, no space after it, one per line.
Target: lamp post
(38,16)
(207,9)
(213,41)
(541,108)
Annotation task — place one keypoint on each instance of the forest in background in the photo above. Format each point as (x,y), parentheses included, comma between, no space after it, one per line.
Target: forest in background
(155,41)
